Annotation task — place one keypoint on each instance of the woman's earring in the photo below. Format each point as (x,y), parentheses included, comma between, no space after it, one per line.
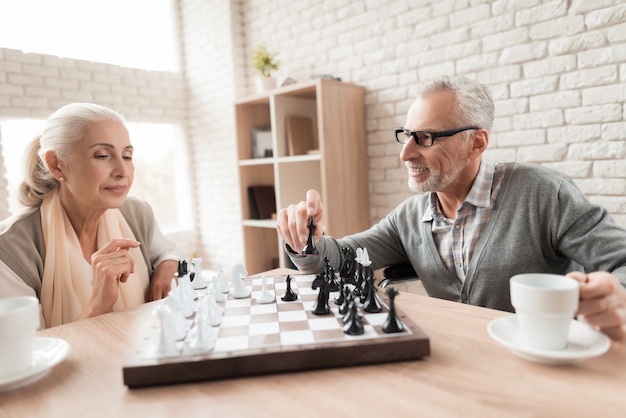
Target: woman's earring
(61,179)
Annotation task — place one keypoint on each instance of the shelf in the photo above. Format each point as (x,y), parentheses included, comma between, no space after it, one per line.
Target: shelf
(260,223)
(280,160)
(256,161)
(299,158)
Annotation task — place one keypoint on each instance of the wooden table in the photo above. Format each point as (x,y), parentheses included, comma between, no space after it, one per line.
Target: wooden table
(467,374)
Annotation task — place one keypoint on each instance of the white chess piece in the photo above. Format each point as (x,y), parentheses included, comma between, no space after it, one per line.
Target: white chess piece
(265,296)
(186,288)
(182,298)
(167,341)
(176,316)
(223,283)
(203,338)
(239,291)
(198,278)
(219,296)
(214,312)
(365,258)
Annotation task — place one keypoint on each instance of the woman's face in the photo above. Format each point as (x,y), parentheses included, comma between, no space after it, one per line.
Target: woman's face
(99,171)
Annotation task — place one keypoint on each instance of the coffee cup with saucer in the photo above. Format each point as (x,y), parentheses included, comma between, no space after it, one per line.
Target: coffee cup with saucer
(543,328)
(24,357)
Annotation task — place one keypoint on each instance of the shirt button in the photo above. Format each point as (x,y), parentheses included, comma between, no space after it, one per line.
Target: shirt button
(457,227)
(464,297)
(459,265)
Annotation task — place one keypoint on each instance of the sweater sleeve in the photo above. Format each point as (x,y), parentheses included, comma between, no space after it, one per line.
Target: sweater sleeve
(588,234)
(382,241)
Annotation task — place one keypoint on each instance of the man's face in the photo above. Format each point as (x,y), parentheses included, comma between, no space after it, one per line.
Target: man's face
(435,168)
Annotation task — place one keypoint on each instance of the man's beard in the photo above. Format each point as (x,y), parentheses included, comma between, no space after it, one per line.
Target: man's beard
(437,181)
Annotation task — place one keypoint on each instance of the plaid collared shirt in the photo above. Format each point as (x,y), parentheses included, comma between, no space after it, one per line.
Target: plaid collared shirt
(457,238)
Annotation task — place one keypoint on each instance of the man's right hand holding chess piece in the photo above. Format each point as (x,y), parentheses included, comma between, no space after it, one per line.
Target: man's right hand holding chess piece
(293,222)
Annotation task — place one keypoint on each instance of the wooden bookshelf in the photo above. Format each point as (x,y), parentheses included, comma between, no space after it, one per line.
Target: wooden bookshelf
(335,164)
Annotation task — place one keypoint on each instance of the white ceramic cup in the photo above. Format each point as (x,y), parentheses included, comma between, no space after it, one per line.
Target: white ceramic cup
(19,320)
(545,304)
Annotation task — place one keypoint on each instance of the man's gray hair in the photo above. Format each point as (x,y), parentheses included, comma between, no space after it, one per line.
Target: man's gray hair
(474,102)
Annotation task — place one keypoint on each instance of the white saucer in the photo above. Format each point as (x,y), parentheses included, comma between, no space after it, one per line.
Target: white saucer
(583,342)
(47,353)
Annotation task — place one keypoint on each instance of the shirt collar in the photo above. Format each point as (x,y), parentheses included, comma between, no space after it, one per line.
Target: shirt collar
(479,195)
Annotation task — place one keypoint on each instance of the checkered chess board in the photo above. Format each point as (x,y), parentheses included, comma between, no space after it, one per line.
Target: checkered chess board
(256,338)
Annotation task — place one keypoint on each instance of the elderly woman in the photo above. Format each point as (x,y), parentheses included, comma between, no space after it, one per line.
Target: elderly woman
(81,245)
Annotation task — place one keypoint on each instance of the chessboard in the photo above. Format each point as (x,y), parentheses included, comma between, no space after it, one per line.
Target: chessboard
(256,338)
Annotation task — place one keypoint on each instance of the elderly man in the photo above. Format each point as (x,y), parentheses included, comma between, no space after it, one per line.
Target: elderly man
(474,224)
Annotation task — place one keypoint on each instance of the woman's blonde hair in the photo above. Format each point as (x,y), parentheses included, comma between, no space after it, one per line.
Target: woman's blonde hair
(63,128)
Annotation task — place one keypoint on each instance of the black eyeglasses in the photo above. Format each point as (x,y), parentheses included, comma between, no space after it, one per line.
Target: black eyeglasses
(426,138)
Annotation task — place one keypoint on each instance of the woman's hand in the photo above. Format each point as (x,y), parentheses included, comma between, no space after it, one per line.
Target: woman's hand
(110,265)
(162,279)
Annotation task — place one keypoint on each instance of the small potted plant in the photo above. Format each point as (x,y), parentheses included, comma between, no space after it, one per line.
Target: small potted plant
(264,62)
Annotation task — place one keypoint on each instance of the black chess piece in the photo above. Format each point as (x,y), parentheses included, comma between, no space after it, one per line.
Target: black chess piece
(329,274)
(289,295)
(349,313)
(182,268)
(392,324)
(339,299)
(321,306)
(349,265)
(371,304)
(364,290)
(347,295)
(358,279)
(354,321)
(309,248)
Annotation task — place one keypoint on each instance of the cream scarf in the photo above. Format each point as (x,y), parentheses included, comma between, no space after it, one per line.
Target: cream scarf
(66,288)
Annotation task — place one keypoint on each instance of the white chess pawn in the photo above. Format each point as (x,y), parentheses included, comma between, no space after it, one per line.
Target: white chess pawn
(176,318)
(167,341)
(186,288)
(265,296)
(240,291)
(198,278)
(214,312)
(203,338)
(219,296)
(223,283)
(183,299)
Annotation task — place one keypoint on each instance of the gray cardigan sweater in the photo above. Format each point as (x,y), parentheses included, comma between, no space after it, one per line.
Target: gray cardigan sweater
(541,222)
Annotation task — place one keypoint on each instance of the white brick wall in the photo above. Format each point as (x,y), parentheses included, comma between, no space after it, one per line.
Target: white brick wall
(557,70)
(214,73)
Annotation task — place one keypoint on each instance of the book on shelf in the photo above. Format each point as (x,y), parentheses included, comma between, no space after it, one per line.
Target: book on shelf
(262,201)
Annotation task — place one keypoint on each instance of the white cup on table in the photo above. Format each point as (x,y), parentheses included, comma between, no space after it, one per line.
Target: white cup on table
(545,304)
(19,320)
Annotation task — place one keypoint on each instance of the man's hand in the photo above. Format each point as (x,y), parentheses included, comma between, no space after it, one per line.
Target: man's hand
(602,303)
(292,224)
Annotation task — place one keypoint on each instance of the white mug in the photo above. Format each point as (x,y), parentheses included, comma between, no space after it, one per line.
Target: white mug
(19,320)
(545,305)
